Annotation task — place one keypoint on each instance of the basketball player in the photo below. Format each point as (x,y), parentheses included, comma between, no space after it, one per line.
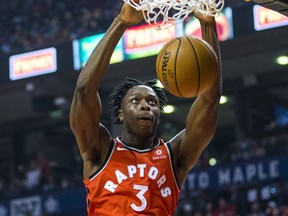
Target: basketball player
(137,173)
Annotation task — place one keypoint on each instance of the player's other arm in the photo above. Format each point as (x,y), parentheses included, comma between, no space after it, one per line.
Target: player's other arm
(201,121)
(92,138)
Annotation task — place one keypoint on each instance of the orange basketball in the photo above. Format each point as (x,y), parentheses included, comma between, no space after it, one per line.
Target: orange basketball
(186,66)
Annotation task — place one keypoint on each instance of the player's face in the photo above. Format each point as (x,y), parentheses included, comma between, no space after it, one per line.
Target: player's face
(140,110)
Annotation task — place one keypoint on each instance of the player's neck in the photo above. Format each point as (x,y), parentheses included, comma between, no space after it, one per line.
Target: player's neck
(138,142)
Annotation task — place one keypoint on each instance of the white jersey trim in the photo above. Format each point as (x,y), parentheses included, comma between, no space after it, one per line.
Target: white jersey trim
(138,150)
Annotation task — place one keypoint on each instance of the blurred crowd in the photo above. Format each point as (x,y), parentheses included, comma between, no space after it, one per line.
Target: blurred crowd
(223,206)
(28,24)
(246,148)
(37,175)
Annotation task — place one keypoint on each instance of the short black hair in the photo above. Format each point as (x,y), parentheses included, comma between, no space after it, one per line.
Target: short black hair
(120,91)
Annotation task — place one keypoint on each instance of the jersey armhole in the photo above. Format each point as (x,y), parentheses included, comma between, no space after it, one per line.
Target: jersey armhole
(172,165)
(103,165)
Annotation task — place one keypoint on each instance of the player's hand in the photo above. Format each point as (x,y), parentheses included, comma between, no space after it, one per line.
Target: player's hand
(130,15)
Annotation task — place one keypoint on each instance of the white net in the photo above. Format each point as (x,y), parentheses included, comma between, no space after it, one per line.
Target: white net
(160,12)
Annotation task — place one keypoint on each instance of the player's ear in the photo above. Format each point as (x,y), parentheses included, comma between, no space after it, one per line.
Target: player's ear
(120,116)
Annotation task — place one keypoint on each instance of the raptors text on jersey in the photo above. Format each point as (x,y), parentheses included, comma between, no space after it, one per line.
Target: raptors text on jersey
(134,182)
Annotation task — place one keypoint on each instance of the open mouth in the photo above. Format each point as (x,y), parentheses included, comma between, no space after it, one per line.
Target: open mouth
(145,117)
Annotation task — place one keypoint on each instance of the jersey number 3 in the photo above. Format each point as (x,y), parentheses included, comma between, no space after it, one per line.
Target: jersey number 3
(140,195)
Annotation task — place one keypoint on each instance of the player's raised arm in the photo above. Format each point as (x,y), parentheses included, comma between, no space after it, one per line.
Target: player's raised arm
(92,138)
(201,121)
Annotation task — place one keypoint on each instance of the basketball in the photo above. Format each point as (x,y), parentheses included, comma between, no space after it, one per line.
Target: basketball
(186,66)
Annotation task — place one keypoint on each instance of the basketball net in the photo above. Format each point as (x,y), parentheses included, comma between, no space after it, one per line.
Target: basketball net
(160,12)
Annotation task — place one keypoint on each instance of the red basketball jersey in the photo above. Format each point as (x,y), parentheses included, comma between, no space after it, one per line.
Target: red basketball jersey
(133,182)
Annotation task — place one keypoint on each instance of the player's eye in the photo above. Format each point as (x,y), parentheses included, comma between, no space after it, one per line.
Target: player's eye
(152,102)
(134,100)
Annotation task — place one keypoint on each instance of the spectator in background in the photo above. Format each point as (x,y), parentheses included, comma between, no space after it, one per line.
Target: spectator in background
(45,169)
(272,209)
(15,188)
(256,209)
(209,208)
(187,209)
(224,208)
(17,183)
(50,183)
(258,150)
(242,147)
(33,175)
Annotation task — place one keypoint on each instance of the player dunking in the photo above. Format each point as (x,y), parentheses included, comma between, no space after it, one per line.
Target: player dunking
(137,173)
